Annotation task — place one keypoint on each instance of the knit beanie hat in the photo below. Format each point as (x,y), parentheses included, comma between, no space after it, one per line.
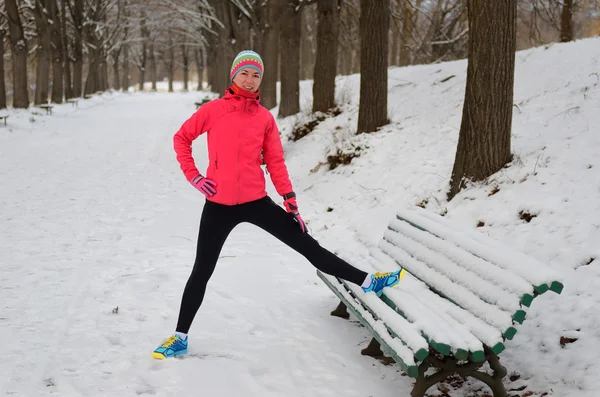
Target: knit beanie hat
(246,59)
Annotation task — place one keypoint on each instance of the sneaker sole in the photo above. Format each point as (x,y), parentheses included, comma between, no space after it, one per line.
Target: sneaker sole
(160,356)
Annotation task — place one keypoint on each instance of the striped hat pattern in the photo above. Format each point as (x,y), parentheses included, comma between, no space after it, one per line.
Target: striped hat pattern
(246,59)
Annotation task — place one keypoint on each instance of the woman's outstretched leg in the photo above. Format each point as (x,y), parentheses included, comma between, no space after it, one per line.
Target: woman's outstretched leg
(273,219)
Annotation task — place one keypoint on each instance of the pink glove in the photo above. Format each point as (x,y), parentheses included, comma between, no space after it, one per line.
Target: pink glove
(291,207)
(206,186)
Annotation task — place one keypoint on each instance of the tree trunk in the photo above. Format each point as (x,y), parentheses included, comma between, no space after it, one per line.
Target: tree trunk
(199,66)
(186,67)
(407,32)
(2,82)
(93,75)
(68,86)
(211,63)
(125,80)
(484,138)
(143,62)
(327,49)
(395,36)
(116,75)
(566,22)
(308,41)
(270,55)
(42,77)
(290,58)
(77,16)
(374,26)
(225,50)
(57,53)
(144,59)
(103,84)
(153,74)
(18,47)
(170,61)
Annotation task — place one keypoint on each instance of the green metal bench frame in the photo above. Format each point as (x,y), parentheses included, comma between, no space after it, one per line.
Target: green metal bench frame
(439,356)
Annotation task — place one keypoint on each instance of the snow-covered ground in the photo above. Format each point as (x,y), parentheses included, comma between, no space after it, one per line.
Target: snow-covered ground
(95,215)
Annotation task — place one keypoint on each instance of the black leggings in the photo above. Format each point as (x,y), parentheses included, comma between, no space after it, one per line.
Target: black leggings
(219,220)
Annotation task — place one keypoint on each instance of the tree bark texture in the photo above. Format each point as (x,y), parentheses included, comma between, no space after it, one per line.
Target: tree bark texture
(126,80)
(116,70)
(374,26)
(484,137)
(186,67)
(270,54)
(68,85)
(144,55)
(566,22)
(42,77)
(77,16)
(153,73)
(308,40)
(327,49)
(170,63)
(290,58)
(407,33)
(57,52)
(18,47)
(199,67)
(2,82)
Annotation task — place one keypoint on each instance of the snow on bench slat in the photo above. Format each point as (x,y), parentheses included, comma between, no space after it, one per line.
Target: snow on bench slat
(459,294)
(405,330)
(486,333)
(488,291)
(487,270)
(427,320)
(534,271)
(414,341)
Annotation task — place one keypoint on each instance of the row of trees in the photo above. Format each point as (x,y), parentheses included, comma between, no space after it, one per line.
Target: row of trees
(100,44)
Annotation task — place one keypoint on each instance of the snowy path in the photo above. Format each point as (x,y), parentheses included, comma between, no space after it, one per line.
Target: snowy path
(95,214)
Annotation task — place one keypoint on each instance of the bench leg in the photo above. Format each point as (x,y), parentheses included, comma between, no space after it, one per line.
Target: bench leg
(341,311)
(373,350)
(447,366)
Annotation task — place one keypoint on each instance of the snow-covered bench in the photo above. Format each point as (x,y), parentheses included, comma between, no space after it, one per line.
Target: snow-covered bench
(462,300)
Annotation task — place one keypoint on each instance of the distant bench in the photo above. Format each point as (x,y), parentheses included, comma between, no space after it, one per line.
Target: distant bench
(202,102)
(47,108)
(4,117)
(461,301)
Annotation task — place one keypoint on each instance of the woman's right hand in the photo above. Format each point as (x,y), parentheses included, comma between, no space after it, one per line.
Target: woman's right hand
(206,186)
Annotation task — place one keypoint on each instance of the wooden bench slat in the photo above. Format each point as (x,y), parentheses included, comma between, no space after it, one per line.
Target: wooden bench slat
(399,326)
(458,294)
(485,270)
(439,329)
(417,246)
(483,331)
(532,270)
(399,352)
(455,315)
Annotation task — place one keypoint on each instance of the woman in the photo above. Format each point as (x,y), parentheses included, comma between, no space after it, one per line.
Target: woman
(238,129)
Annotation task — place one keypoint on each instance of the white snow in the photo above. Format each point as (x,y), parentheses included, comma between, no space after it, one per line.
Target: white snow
(95,215)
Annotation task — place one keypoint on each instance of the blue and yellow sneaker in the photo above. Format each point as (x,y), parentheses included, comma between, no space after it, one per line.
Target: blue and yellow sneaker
(172,347)
(379,281)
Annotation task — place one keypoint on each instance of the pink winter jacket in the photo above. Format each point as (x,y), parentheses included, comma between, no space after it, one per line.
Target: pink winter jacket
(238,128)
